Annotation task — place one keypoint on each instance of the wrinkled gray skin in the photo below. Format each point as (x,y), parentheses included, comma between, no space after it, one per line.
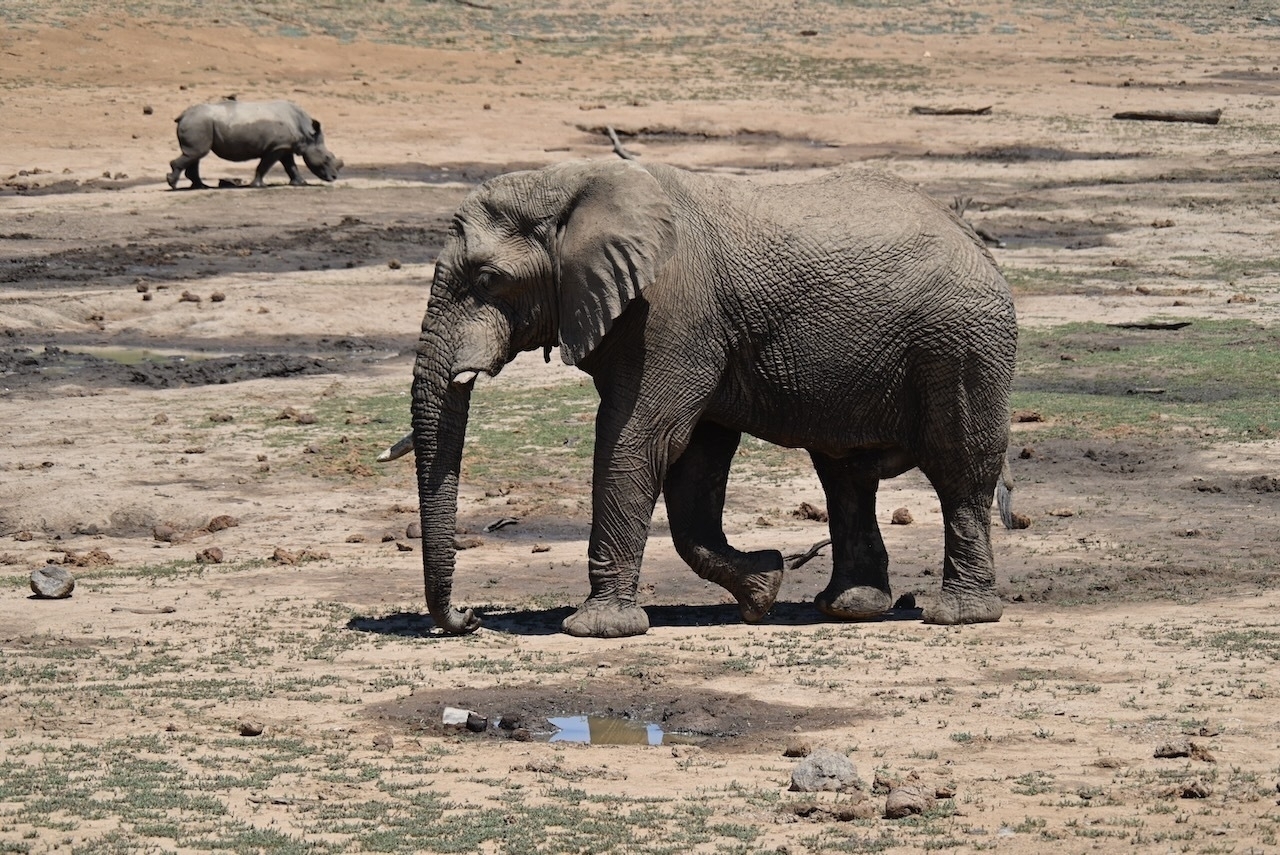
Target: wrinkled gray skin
(243,130)
(851,316)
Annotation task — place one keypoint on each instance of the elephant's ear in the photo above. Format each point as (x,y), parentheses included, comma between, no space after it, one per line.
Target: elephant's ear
(615,237)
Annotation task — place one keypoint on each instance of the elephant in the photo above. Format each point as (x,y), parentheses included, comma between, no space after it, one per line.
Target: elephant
(849,315)
(241,130)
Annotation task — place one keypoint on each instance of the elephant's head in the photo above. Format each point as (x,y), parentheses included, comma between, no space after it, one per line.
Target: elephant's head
(532,260)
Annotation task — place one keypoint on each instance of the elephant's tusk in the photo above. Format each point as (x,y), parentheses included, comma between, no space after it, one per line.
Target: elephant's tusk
(400,449)
(464,377)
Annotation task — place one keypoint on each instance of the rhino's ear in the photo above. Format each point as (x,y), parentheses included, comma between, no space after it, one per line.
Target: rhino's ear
(614,239)
(315,126)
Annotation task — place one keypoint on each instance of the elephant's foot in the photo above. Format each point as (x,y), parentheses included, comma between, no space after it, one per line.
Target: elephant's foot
(953,607)
(753,578)
(860,602)
(597,619)
(172,178)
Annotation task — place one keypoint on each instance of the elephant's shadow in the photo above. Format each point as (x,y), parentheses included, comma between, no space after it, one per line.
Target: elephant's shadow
(548,621)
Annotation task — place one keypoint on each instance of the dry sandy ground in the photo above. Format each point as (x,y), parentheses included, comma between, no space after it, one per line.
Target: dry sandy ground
(1139,605)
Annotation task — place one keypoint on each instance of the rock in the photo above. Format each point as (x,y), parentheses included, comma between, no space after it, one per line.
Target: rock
(284,556)
(221,418)
(797,748)
(403,547)
(356,538)
(384,741)
(166,533)
(23,536)
(52,582)
(413,530)
(212,555)
(807,511)
(477,723)
(540,547)
(1027,453)
(93,558)
(217,297)
(188,297)
(388,536)
(142,287)
(455,717)
(906,602)
(1061,512)
(1171,750)
(901,516)
(1024,416)
(147,110)
(250,727)
(907,800)
(510,721)
(160,419)
(1021,520)
(521,734)
(1196,789)
(394,264)
(222,521)
(825,771)
(461,543)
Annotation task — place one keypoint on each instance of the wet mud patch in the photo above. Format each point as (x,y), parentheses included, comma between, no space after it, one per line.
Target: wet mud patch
(34,369)
(222,250)
(724,720)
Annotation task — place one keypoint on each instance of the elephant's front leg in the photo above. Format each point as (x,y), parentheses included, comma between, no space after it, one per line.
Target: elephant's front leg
(631,456)
(695,493)
(859,586)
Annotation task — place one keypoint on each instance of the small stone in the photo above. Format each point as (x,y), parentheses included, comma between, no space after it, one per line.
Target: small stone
(797,748)
(147,297)
(166,533)
(1062,512)
(93,558)
(1027,453)
(901,516)
(217,297)
(221,418)
(1024,416)
(356,538)
(23,536)
(212,555)
(250,727)
(284,556)
(403,547)
(907,800)
(388,536)
(477,723)
(1171,750)
(188,297)
(222,521)
(52,582)
(467,542)
(825,770)
(540,547)
(143,287)
(1196,789)
(510,721)
(171,727)
(147,110)
(394,264)
(521,734)
(384,741)
(413,530)
(160,419)
(1021,520)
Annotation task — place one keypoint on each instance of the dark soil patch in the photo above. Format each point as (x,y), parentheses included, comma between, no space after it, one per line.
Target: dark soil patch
(725,720)
(29,369)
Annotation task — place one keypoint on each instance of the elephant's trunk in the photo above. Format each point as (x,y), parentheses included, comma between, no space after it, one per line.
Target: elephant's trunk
(440,409)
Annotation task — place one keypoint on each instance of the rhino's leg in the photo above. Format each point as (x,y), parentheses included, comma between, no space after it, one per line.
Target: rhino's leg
(286,160)
(190,164)
(268,160)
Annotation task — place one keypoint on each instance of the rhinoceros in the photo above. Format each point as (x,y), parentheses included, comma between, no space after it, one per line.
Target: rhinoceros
(242,130)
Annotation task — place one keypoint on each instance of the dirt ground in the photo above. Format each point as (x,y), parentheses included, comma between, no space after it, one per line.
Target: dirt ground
(170,357)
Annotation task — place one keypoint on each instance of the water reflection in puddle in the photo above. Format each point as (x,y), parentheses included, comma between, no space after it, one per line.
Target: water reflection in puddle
(135,356)
(602,730)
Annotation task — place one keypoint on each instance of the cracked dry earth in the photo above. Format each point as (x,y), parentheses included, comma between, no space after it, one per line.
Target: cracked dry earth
(1125,702)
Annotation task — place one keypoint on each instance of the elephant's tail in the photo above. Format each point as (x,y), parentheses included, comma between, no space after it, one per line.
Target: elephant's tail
(1004,495)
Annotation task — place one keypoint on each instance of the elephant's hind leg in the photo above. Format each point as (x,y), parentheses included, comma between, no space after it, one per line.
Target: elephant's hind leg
(859,586)
(695,494)
(968,568)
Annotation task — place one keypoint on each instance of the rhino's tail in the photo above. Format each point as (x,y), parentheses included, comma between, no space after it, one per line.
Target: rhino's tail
(1004,494)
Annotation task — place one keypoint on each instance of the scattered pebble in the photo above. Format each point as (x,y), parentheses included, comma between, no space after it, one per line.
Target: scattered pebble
(250,727)
(825,770)
(211,555)
(901,516)
(222,521)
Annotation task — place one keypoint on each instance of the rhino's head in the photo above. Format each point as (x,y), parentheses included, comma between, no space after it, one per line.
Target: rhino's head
(317,156)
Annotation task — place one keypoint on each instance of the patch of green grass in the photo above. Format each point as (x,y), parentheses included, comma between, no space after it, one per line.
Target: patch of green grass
(1213,378)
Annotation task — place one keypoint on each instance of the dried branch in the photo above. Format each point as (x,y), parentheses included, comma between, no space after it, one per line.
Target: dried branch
(617,144)
(800,559)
